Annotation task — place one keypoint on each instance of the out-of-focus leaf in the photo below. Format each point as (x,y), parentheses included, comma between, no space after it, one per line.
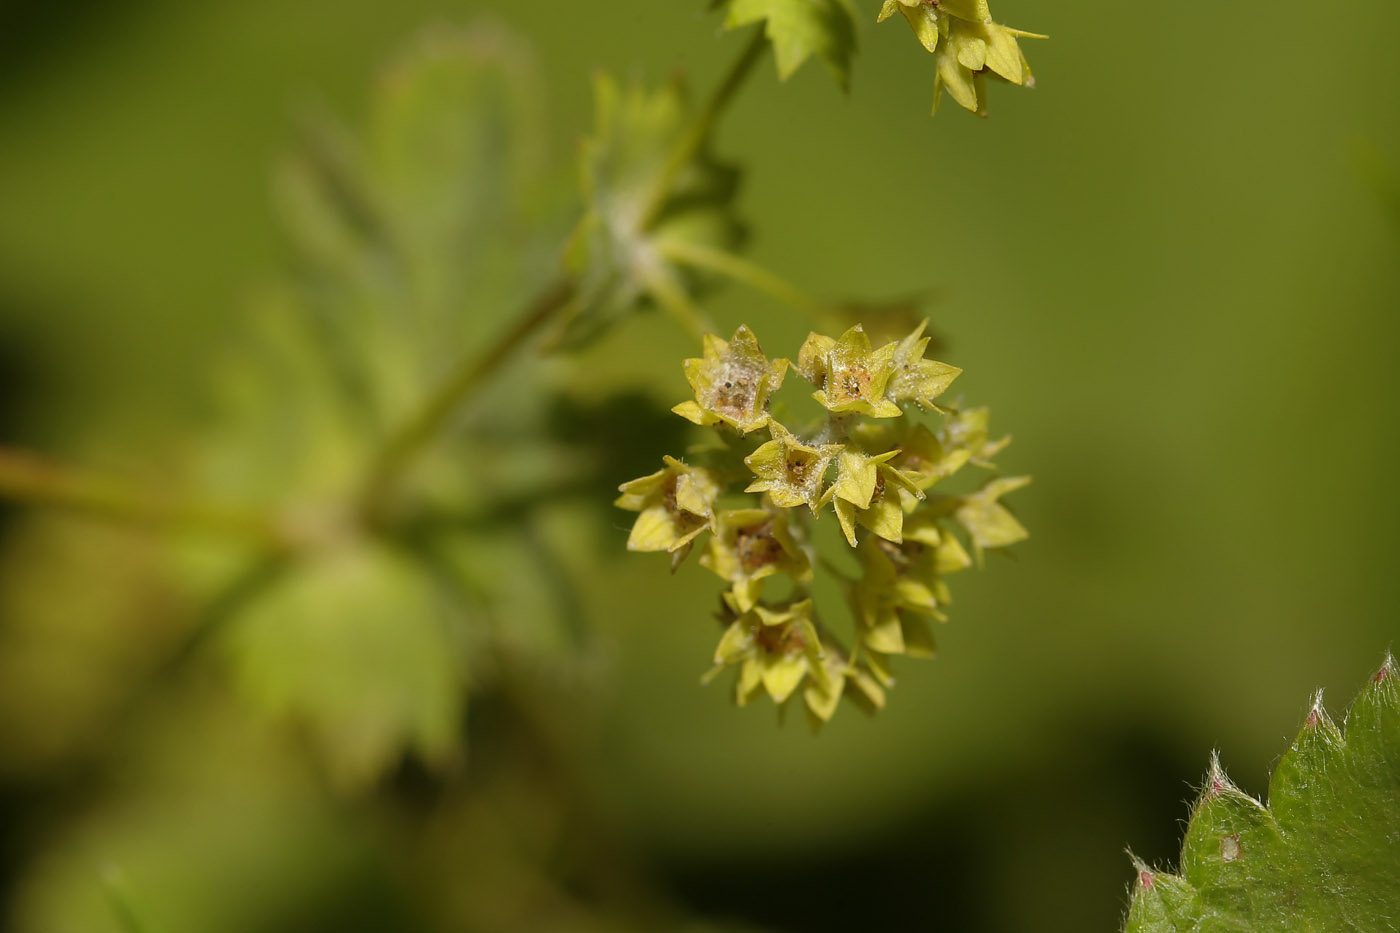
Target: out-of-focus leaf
(636,199)
(204,806)
(800,29)
(1323,855)
(456,143)
(413,242)
(358,647)
(71,653)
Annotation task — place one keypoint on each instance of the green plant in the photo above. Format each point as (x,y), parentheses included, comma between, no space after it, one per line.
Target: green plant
(364,535)
(1321,855)
(364,529)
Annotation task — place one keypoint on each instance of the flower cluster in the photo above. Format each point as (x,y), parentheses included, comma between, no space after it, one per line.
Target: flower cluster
(759,487)
(967,46)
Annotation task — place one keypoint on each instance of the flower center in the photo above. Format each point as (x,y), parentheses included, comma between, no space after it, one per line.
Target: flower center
(756,546)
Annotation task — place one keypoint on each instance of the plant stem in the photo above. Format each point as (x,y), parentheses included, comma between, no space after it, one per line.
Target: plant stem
(398,454)
(700,129)
(29,479)
(403,446)
(699,256)
(675,302)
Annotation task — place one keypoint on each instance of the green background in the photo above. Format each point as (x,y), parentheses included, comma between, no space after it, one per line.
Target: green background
(1172,270)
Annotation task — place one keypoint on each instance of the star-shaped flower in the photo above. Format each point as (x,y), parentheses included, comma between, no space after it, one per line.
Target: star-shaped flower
(967,45)
(921,560)
(923,459)
(969,431)
(844,677)
(750,545)
(774,648)
(886,621)
(916,379)
(989,522)
(848,374)
(676,504)
(869,491)
(790,471)
(732,382)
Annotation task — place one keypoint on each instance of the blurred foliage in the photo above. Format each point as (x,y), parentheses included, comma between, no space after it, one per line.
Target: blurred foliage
(799,29)
(640,197)
(1167,299)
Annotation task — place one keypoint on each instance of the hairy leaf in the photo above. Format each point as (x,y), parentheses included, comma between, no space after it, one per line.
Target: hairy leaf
(799,29)
(1324,855)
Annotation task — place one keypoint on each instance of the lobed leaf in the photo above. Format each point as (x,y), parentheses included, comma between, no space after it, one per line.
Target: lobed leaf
(1323,855)
(356,648)
(799,29)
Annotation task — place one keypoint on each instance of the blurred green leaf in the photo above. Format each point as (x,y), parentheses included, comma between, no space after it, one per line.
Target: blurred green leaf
(360,649)
(799,29)
(1321,856)
(412,242)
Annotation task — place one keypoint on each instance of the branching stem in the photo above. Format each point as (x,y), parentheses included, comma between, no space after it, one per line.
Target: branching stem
(701,128)
(747,272)
(678,304)
(30,479)
(403,447)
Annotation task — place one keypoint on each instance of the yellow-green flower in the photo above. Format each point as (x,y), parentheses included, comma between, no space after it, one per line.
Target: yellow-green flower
(916,379)
(774,649)
(790,471)
(887,620)
(923,459)
(822,694)
(750,545)
(970,431)
(732,382)
(848,374)
(967,45)
(989,522)
(921,560)
(676,504)
(870,491)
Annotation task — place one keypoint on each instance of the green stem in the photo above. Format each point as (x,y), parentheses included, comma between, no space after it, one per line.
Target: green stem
(404,446)
(700,129)
(29,479)
(679,305)
(709,259)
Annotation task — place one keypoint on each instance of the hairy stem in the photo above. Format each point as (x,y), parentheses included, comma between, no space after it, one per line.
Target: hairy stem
(414,435)
(27,478)
(709,259)
(700,129)
(400,451)
(675,302)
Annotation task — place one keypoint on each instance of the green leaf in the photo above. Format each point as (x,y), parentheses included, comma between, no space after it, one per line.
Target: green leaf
(645,182)
(799,29)
(409,238)
(357,648)
(1323,855)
